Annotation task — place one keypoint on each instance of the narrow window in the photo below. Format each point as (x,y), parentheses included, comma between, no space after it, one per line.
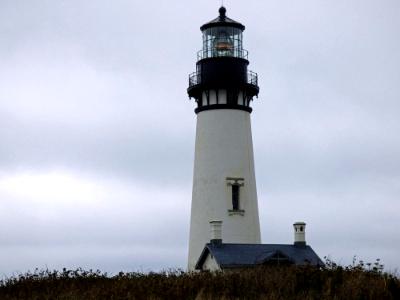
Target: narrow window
(235,196)
(231,97)
(235,207)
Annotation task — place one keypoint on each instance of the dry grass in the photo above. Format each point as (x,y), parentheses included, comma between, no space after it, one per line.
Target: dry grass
(357,281)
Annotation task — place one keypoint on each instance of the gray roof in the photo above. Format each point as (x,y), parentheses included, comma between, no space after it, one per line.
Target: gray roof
(247,255)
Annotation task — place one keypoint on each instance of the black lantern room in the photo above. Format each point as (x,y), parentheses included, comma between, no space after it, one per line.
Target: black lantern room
(221,79)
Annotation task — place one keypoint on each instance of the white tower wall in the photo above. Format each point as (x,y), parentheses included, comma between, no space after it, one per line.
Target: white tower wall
(223,156)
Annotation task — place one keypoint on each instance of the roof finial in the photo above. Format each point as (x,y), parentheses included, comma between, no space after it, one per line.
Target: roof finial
(222,11)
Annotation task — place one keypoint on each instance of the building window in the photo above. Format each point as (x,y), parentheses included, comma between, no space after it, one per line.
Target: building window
(235,185)
(278,258)
(235,197)
(232,97)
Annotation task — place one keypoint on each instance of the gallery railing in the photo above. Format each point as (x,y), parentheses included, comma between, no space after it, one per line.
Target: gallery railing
(195,78)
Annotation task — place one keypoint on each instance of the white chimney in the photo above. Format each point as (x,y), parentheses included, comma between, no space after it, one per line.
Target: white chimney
(299,233)
(216,232)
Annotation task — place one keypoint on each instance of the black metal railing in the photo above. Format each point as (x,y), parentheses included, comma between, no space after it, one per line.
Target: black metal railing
(228,52)
(252,78)
(195,78)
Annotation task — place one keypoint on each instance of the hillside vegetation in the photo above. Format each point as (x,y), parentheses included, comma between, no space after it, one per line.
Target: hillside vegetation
(274,282)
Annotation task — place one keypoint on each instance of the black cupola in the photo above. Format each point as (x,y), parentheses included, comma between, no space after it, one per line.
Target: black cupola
(221,80)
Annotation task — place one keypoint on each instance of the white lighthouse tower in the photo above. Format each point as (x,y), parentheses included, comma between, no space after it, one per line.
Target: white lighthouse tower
(224,184)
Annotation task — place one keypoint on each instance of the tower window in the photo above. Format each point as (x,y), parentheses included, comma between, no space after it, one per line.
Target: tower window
(235,184)
(232,97)
(235,197)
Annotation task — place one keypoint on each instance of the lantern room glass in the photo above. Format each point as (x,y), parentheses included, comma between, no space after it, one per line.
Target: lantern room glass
(222,41)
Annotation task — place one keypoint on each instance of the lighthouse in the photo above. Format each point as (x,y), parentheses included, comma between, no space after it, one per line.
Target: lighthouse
(224,184)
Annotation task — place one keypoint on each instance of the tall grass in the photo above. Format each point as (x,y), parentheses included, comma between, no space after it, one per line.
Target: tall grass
(358,281)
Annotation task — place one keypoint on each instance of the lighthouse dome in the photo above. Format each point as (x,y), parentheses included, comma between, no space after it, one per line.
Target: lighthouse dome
(222,20)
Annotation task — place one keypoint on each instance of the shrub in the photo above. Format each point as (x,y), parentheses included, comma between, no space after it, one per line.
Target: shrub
(357,281)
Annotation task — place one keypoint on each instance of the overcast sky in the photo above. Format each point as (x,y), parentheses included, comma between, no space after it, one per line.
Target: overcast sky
(97,132)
